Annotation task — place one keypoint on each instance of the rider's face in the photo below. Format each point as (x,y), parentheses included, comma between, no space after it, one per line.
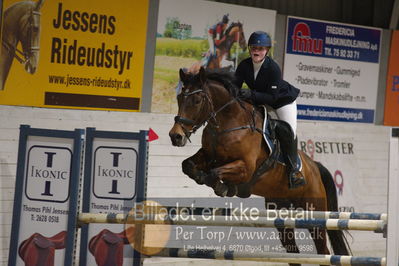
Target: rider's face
(258,53)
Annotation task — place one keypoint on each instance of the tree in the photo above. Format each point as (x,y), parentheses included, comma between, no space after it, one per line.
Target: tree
(173,29)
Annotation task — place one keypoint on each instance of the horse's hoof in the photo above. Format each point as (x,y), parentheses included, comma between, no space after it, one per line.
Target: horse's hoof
(200,178)
(244,191)
(220,189)
(232,190)
(188,166)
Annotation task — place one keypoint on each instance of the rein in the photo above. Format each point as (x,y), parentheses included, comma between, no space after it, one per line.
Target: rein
(17,54)
(188,122)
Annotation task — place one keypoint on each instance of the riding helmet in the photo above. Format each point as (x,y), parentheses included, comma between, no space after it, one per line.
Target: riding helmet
(225,19)
(260,38)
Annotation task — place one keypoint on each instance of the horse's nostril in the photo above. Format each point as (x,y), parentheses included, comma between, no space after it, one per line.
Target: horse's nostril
(177,137)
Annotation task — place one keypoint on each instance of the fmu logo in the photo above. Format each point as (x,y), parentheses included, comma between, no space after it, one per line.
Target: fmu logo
(302,40)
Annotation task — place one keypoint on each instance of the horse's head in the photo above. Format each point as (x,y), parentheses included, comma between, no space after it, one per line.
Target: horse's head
(191,107)
(29,36)
(204,95)
(237,34)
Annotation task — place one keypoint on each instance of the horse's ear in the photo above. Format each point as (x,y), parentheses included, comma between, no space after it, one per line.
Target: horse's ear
(202,75)
(39,5)
(182,75)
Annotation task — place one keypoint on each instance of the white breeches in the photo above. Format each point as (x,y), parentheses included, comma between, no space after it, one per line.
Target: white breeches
(288,113)
(211,43)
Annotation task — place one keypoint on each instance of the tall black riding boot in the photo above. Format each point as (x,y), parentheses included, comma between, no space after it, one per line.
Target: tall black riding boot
(288,146)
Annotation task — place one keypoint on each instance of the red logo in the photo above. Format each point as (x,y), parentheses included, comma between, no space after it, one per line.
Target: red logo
(339,181)
(302,41)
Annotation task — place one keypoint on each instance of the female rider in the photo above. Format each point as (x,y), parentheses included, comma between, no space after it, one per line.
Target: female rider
(263,77)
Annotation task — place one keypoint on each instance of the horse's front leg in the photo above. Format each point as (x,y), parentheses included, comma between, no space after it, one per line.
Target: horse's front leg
(231,174)
(196,167)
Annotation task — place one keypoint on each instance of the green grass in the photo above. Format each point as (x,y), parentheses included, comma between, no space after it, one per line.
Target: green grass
(167,75)
(183,48)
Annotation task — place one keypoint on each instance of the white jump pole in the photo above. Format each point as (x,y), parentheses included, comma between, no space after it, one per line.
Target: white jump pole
(393,199)
(329,224)
(272,257)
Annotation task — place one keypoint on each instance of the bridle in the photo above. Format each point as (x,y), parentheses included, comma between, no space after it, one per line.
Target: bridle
(21,56)
(183,121)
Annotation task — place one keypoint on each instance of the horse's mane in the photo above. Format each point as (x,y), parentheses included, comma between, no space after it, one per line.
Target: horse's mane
(225,77)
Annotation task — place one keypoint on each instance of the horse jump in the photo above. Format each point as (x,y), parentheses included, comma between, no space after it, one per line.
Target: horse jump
(272,257)
(220,220)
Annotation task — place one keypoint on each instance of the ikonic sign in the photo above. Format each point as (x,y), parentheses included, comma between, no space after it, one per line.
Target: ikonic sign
(48,173)
(114,174)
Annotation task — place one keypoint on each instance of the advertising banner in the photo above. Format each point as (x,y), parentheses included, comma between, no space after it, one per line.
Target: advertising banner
(391,117)
(191,34)
(73,54)
(115,176)
(336,68)
(344,158)
(45,203)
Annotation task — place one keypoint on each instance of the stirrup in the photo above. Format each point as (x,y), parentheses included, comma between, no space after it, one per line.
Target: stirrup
(296,179)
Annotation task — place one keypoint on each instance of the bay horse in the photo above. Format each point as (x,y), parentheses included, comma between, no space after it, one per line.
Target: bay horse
(21,24)
(233,153)
(234,34)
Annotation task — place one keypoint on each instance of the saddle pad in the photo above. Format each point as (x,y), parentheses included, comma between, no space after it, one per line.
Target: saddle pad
(271,145)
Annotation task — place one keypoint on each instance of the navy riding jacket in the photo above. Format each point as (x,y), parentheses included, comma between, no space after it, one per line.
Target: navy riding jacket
(269,87)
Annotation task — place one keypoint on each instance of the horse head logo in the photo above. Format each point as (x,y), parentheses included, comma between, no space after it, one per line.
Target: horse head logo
(30,38)
(21,24)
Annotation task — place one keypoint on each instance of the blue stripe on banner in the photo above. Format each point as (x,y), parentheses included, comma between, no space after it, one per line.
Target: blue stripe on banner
(335,260)
(279,223)
(313,112)
(111,217)
(330,40)
(229,255)
(201,253)
(366,216)
(173,252)
(366,261)
(343,224)
(310,223)
(334,215)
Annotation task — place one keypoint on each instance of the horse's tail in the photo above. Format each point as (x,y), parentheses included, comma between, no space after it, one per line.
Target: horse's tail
(337,238)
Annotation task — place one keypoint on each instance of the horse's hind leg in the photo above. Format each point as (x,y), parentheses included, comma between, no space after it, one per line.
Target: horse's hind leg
(287,238)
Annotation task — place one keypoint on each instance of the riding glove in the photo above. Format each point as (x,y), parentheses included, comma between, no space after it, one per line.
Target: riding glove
(246,94)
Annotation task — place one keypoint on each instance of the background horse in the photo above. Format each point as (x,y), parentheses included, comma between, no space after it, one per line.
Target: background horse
(233,151)
(234,34)
(21,23)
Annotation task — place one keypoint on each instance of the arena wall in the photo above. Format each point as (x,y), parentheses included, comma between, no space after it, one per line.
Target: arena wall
(366,191)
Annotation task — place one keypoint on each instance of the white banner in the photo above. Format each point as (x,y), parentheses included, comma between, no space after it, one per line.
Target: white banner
(336,68)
